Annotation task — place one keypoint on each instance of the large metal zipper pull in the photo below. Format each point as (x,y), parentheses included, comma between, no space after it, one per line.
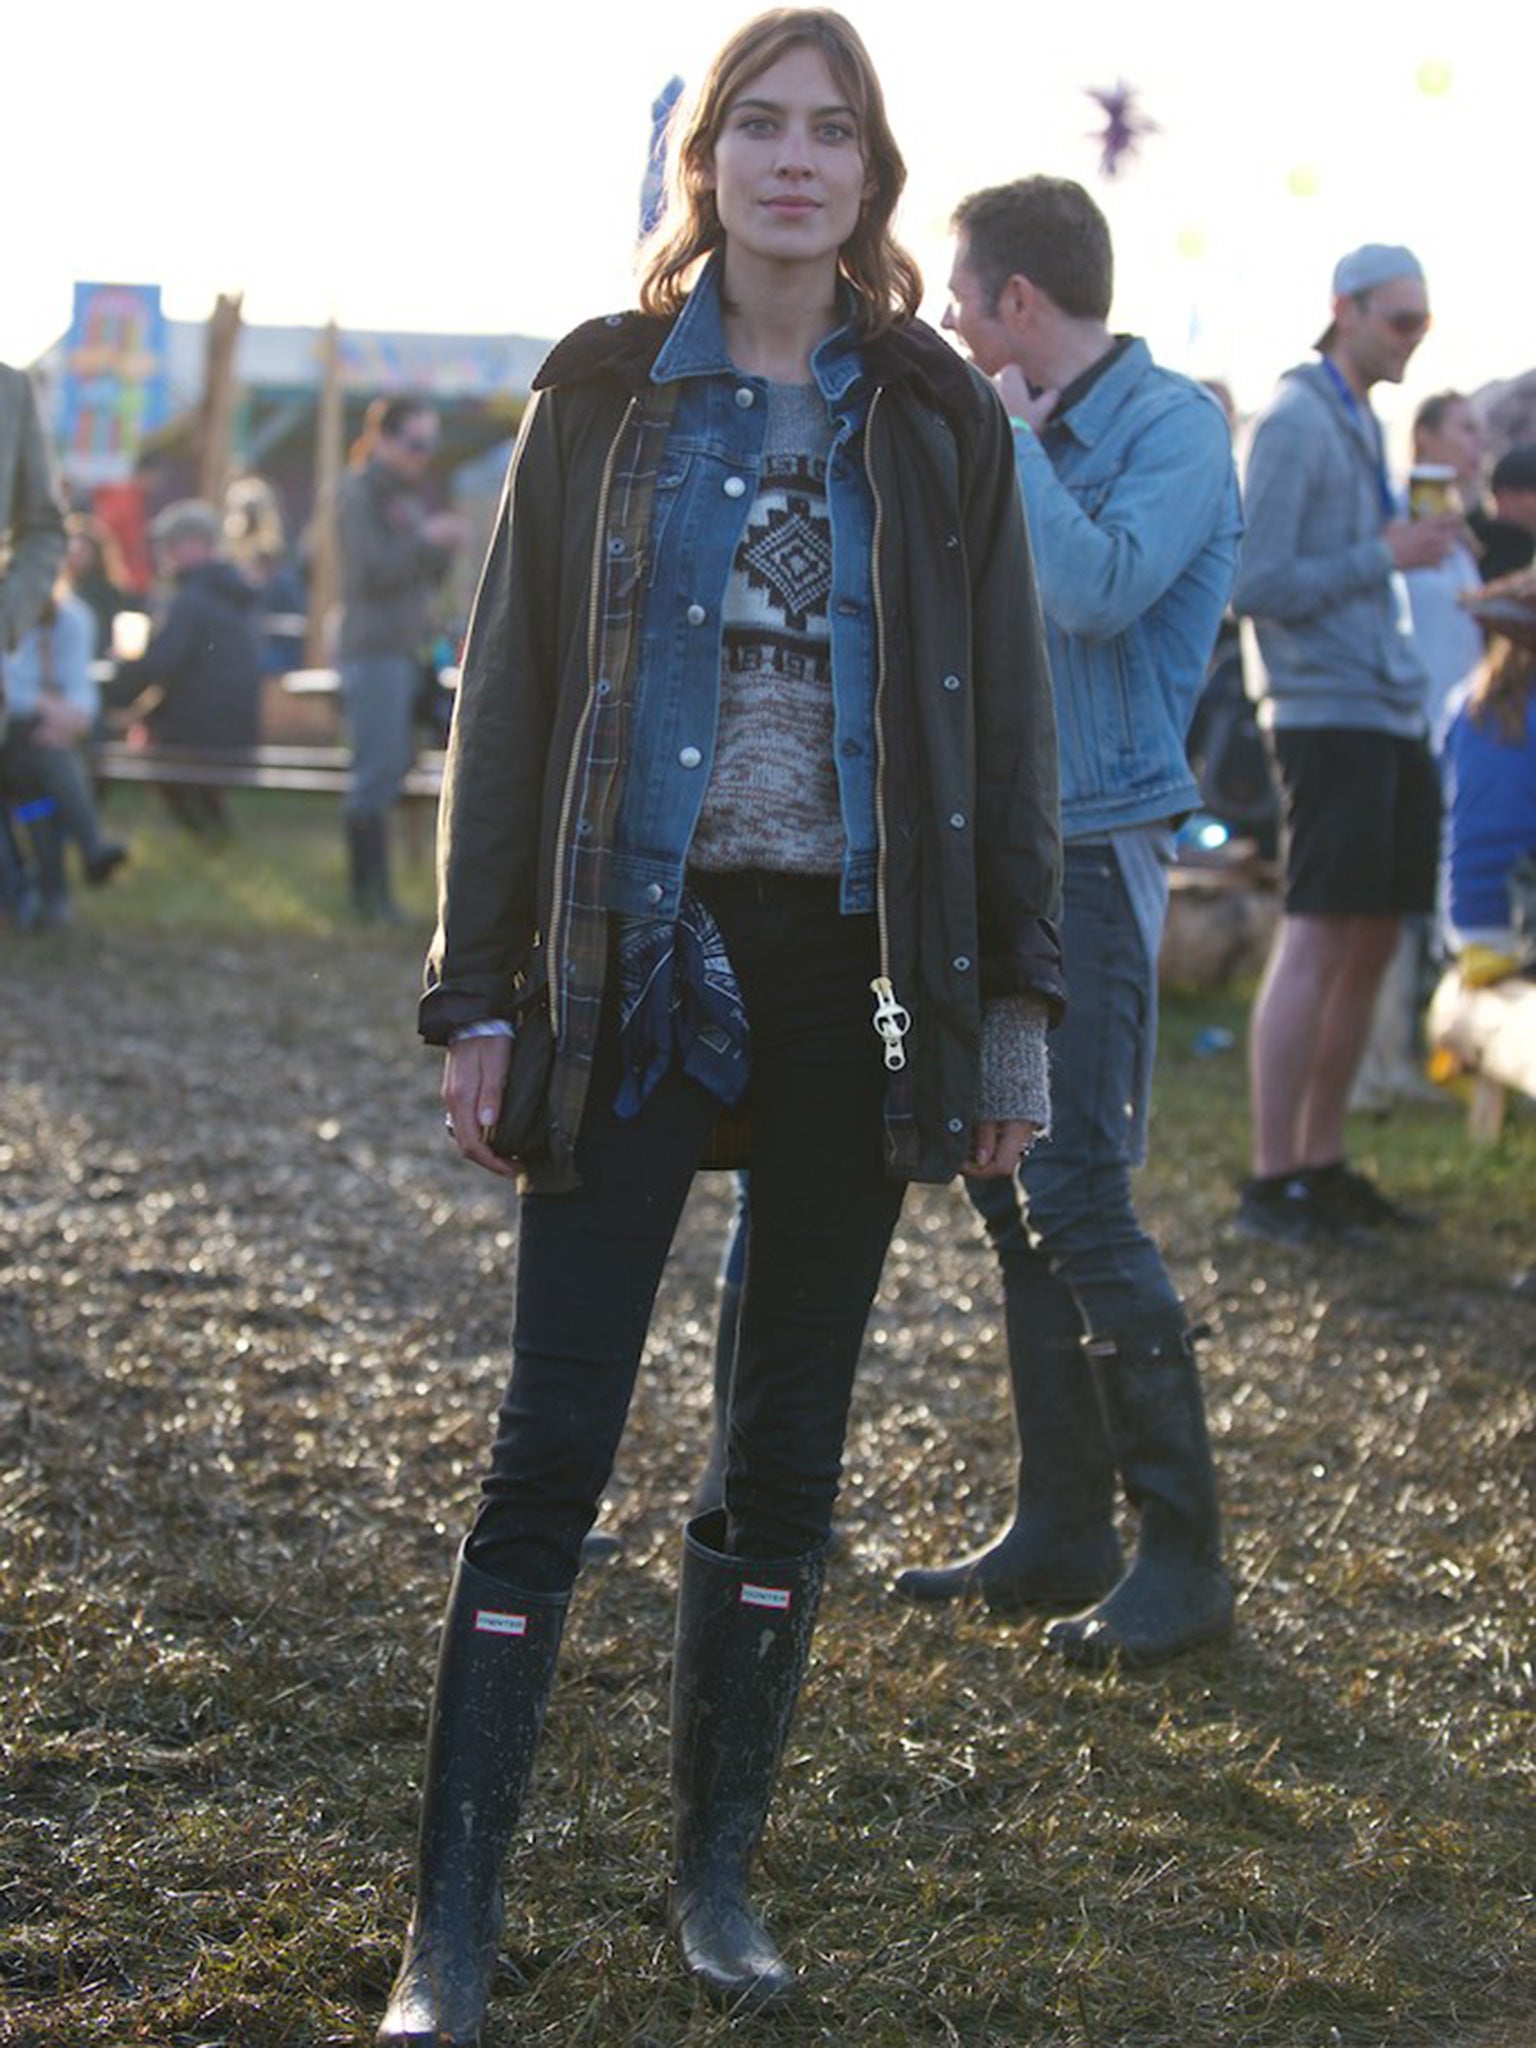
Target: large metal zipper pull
(892,1022)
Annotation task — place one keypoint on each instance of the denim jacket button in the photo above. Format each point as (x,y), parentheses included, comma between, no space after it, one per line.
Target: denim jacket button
(696,615)
(956,1124)
(734,487)
(690,757)
(653,892)
(957,820)
(951,682)
(745,396)
(961,964)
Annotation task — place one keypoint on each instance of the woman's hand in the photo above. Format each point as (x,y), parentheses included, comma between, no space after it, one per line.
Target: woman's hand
(997,1148)
(474,1078)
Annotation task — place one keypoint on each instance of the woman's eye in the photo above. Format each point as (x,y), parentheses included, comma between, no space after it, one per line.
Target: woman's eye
(836,131)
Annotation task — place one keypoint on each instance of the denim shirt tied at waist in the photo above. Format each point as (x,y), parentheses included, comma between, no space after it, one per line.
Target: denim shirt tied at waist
(703,494)
(1132,503)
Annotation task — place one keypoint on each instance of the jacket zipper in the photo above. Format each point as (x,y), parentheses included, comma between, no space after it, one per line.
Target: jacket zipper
(891,1021)
(562,831)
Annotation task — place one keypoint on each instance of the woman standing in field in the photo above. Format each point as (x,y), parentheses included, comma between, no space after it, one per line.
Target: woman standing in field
(751,802)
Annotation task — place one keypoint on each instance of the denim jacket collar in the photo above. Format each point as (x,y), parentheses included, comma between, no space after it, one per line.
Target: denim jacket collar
(1088,420)
(696,346)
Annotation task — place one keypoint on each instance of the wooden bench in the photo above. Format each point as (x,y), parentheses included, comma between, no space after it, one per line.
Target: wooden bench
(1491,1034)
(322,770)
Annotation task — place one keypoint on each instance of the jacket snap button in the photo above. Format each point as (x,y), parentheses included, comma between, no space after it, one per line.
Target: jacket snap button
(690,757)
(962,965)
(951,682)
(614,320)
(956,1124)
(696,615)
(653,893)
(957,820)
(745,396)
(734,487)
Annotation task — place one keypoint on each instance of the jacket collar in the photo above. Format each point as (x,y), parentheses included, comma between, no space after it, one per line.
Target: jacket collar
(696,345)
(1088,420)
(638,348)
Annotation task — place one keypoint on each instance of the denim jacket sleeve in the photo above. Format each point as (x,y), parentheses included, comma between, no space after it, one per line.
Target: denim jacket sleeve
(1278,576)
(1099,574)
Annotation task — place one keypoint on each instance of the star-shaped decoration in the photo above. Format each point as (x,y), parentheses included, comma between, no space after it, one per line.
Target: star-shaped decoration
(1124,125)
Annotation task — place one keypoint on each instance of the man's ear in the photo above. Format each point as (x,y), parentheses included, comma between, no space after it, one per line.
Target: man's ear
(1016,299)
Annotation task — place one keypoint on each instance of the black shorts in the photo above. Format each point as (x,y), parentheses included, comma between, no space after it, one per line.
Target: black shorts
(1361,813)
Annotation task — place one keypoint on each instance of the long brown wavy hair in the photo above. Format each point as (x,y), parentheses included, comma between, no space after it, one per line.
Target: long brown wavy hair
(1499,697)
(884,277)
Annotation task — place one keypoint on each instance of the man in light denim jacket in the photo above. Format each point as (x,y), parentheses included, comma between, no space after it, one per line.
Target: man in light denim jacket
(1126,472)
(1344,698)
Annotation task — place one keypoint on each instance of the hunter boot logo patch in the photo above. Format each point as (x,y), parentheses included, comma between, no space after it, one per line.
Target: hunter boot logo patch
(776,1597)
(489,1623)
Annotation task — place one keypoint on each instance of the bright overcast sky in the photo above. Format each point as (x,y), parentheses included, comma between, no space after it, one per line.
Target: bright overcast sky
(469,166)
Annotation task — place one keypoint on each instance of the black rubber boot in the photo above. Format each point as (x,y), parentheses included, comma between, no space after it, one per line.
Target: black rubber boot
(368,857)
(1176,1594)
(1061,1549)
(360,867)
(494,1672)
(710,1491)
(744,1629)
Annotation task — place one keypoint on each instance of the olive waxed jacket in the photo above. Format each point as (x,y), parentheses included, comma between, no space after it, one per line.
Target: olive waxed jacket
(969,868)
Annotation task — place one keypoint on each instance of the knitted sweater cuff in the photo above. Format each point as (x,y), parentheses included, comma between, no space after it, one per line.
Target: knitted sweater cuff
(1015,1076)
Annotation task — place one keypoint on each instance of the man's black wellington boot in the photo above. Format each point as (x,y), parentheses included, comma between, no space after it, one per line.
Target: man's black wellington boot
(1176,1594)
(1061,1549)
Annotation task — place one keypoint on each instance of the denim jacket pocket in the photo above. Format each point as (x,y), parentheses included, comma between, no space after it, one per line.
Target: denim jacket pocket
(670,490)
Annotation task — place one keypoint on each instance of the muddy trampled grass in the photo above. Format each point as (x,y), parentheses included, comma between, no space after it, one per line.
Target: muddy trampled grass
(252,1324)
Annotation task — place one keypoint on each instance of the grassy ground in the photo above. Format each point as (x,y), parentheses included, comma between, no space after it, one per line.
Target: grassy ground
(252,1315)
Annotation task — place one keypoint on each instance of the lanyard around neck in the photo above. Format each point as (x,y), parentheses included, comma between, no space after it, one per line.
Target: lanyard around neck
(1370,426)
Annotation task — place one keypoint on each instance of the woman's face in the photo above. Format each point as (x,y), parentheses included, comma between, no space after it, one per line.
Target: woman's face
(788,170)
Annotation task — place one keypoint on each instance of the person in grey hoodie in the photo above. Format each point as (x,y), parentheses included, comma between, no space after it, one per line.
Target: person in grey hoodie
(1342,692)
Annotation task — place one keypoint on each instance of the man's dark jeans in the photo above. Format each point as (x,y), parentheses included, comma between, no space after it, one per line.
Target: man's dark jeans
(1074,1255)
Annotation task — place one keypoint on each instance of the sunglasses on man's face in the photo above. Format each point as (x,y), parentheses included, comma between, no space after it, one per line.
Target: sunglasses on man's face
(1407,323)
(418,444)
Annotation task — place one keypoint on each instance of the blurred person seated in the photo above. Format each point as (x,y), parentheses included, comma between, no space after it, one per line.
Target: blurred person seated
(256,541)
(200,678)
(43,782)
(1506,537)
(97,573)
(1490,764)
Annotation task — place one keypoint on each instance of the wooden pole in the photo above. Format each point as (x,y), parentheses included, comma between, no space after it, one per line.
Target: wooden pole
(324,555)
(216,414)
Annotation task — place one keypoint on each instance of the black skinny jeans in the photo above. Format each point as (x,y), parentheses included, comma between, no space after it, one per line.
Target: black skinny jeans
(822,1214)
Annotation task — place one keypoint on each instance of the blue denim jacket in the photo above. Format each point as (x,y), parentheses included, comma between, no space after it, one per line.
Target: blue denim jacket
(1133,513)
(703,494)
